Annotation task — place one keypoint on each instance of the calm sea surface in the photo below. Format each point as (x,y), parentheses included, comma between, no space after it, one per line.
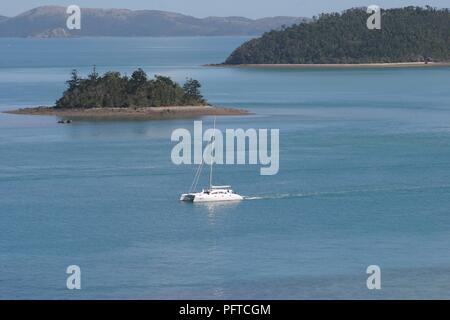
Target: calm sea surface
(364,179)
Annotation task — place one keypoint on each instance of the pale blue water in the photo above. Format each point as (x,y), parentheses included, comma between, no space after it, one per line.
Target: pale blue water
(364,179)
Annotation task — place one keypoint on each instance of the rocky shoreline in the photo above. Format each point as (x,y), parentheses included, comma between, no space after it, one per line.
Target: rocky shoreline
(131,113)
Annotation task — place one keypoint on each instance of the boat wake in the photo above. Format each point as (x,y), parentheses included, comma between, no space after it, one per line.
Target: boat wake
(304,195)
(274,196)
(253,198)
(343,192)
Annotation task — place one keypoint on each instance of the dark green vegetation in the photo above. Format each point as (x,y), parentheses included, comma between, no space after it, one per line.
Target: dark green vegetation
(409,34)
(112,90)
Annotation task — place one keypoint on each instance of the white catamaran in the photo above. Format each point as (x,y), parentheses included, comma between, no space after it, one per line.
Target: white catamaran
(213,193)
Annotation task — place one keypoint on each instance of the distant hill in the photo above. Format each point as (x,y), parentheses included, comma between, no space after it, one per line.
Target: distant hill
(409,34)
(50,21)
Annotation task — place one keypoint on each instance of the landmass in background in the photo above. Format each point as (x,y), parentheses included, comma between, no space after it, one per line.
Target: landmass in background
(50,21)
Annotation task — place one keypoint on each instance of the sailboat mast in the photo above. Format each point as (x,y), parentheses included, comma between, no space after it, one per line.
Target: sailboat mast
(212,157)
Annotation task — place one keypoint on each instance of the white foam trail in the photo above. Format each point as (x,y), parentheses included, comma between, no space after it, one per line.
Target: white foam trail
(343,192)
(273,196)
(253,198)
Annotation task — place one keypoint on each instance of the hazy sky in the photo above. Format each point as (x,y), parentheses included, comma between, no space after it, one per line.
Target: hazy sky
(202,8)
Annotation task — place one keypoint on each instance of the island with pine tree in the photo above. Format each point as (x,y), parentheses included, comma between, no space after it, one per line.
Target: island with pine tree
(113,95)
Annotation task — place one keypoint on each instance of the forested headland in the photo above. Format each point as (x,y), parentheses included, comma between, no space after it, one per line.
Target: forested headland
(411,34)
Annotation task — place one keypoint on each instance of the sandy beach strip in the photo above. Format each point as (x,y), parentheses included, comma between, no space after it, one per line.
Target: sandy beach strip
(131,113)
(343,66)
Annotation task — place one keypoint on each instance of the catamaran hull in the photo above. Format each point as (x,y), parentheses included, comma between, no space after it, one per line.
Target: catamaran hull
(210,198)
(218,199)
(187,197)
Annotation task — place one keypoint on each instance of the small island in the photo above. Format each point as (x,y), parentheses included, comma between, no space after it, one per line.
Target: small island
(118,96)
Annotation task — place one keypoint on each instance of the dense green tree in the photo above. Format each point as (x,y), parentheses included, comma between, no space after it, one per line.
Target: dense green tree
(116,91)
(410,34)
(192,91)
(138,79)
(74,79)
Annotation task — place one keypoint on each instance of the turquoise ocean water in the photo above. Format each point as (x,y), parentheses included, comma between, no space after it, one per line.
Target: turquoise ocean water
(364,179)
